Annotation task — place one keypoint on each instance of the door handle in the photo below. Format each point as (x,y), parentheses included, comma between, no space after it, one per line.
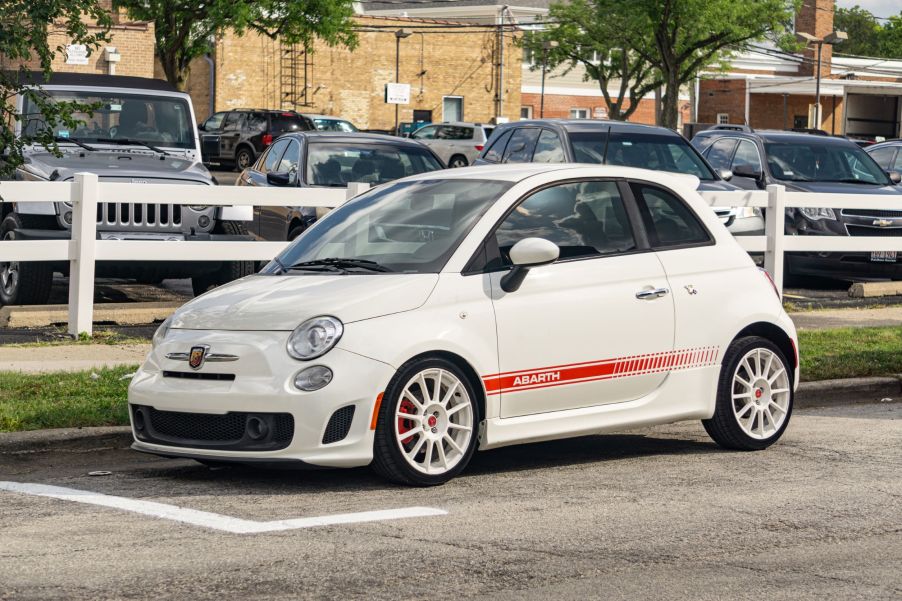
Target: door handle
(651,293)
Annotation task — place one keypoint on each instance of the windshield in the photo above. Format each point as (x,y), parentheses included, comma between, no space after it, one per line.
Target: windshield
(647,151)
(333,125)
(814,161)
(405,227)
(339,163)
(155,120)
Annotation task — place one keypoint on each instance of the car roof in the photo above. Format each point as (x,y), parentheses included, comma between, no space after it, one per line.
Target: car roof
(592,125)
(348,136)
(333,117)
(95,80)
(775,135)
(516,172)
(885,144)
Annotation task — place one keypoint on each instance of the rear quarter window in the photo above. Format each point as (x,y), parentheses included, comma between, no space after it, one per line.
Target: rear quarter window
(496,149)
(669,221)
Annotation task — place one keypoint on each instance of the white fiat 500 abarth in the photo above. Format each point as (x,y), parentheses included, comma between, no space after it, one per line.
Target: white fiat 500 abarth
(476,308)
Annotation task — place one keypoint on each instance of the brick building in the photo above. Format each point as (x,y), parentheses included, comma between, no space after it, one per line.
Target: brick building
(131,41)
(768,89)
(454,74)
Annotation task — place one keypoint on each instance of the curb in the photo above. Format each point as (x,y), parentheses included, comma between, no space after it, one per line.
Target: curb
(824,393)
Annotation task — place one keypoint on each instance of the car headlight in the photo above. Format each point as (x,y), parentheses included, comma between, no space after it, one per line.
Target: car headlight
(815,214)
(161,332)
(315,337)
(746,212)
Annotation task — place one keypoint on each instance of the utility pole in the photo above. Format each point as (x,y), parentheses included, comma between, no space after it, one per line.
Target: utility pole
(546,46)
(399,35)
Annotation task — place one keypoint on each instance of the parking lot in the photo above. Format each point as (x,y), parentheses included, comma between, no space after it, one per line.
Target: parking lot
(651,513)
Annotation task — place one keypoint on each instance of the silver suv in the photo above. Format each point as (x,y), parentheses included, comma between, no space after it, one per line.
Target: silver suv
(140,131)
(457,144)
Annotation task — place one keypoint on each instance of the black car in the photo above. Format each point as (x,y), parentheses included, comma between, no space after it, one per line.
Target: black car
(887,154)
(820,165)
(328,159)
(614,143)
(237,137)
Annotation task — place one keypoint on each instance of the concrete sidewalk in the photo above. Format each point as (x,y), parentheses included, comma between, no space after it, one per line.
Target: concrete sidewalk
(823,319)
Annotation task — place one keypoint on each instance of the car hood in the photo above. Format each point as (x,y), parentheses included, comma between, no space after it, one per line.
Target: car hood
(716,185)
(840,188)
(115,165)
(281,303)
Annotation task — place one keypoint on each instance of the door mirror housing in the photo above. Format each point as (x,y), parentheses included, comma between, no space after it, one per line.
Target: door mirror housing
(747,171)
(725,174)
(526,254)
(894,176)
(201,127)
(279,178)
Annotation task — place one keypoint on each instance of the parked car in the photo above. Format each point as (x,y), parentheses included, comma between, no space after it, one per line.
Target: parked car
(476,308)
(458,144)
(615,143)
(142,131)
(820,165)
(329,123)
(326,159)
(887,154)
(236,138)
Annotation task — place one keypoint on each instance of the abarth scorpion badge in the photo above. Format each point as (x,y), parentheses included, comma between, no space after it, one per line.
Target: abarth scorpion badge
(197,355)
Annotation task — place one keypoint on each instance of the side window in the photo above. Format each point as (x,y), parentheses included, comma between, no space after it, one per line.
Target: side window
(275,153)
(214,122)
(519,149)
(256,122)
(548,148)
(496,150)
(720,153)
(585,219)
(669,221)
(454,132)
(234,120)
(883,156)
(291,158)
(747,156)
(425,133)
(897,165)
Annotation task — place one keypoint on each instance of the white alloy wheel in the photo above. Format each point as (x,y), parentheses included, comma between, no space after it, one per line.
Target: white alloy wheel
(761,393)
(433,424)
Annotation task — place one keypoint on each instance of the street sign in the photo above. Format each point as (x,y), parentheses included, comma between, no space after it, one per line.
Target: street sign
(76,54)
(397,93)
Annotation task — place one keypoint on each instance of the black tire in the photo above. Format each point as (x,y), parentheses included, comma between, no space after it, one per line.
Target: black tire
(723,427)
(244,158)
(230,270)
(458,160)
(388,461)
(296,231)
(23,283)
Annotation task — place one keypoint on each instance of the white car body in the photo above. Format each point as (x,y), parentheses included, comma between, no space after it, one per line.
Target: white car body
(572,352)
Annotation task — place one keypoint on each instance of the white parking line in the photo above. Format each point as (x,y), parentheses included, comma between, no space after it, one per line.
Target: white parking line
(206,519)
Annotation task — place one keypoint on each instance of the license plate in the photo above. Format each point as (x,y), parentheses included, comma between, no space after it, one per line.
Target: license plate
(883,256)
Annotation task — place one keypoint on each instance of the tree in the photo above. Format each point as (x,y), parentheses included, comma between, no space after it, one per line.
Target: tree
(32,34)
(863,30)
(586,36)
(890,38)
(185,29)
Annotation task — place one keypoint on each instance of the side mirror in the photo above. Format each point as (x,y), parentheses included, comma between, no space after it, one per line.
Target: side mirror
(894,176)
(201,127)
(279,178)
(725,174)
(747,171)
(526,254)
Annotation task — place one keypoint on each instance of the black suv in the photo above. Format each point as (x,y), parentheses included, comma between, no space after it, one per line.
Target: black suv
(614,143)
(821,165)
(239,136)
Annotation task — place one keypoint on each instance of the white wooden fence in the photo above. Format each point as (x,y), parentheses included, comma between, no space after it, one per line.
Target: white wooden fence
(86,192)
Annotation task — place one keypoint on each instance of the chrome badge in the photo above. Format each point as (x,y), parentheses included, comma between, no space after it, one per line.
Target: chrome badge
(197,355)
(882,222)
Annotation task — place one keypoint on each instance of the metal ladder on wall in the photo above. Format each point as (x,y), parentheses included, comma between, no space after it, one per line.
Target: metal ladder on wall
(295,66)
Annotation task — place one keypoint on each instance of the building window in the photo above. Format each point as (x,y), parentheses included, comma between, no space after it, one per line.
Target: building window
(526,112)
(723,118)
(529,57)
(579,113)
(452,108)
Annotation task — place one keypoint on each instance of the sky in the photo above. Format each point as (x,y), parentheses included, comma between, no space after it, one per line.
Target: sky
(879,8)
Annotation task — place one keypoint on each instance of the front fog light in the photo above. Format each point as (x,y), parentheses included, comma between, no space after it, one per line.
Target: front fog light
(313,378)
(203,221)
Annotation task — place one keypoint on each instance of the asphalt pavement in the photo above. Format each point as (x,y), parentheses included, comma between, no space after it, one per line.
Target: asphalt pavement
(647,514)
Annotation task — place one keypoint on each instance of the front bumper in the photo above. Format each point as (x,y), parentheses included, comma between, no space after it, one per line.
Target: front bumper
(849,266)
(262,387)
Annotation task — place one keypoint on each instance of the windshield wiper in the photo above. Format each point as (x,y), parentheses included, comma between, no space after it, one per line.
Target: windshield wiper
(851,180)
(75,141)
(126,141)
(338,264)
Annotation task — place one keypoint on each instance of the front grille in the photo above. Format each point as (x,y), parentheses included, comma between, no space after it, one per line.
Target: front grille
(875,213)
(339,425)
(881,232)
(229,431)
(144,216)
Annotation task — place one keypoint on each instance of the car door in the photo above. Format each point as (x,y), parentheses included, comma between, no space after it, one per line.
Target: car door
(459,141)
(521,145)
(596,326)
(275,220)
(230,134)
(549,148)
(210,133)
(720,153)
(256,176)
(746,160)
(427,135)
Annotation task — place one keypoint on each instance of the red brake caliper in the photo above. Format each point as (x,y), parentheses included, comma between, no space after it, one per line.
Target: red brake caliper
(406,425)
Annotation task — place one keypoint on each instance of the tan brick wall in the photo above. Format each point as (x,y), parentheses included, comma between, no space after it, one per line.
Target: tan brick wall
(351,84)
(816,17)
(558,106)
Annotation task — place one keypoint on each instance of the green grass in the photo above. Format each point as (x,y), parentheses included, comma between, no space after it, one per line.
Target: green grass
(850,353)
(63,399)
(73,399)
(102,337)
